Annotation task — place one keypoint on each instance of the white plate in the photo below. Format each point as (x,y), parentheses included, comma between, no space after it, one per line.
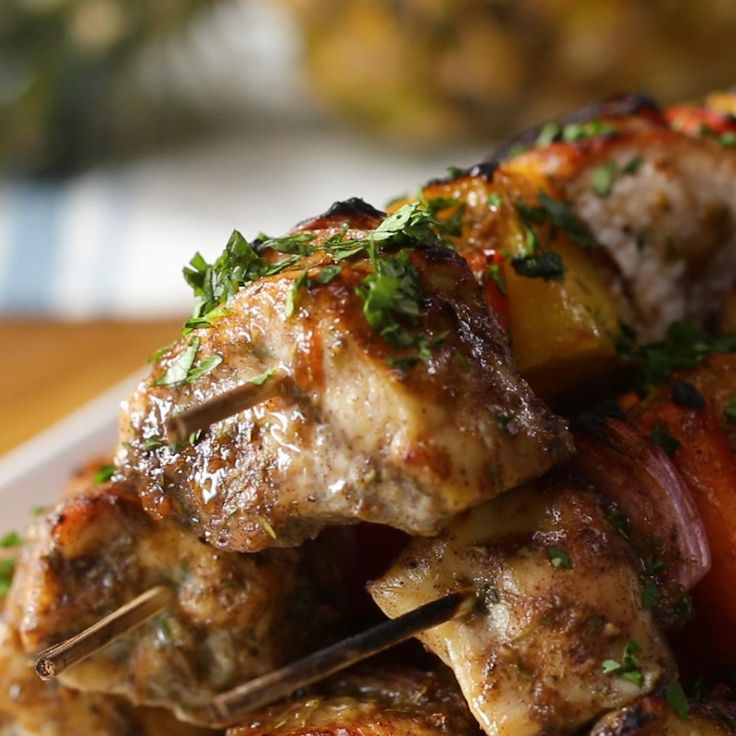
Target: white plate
(33,474)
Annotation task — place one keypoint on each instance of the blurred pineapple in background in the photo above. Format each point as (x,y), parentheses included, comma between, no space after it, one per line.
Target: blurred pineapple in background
(429,71)
(82,80)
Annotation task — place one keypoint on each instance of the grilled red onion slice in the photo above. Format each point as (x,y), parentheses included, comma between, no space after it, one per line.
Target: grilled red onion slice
(644,484)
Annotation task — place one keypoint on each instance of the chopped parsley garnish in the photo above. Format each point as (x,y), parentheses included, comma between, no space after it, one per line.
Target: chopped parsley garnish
(632,166)
(572,132)
(494,200)
(727,139)
(324,276)
(686,395)
(547,265)
(184,370)
(7,568)
(11,539)
(261,378)
(650,597)
(37,511)
(729,410)
(450,225)
(103,474)
(392,292)
(602,178)
(238,264)
(563,217)
(662,437)
(685,346)
(153,443)
(204,367)
(677,699)
(629,667)
(559,558)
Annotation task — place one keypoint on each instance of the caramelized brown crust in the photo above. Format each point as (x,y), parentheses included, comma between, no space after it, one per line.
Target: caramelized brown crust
(235,616)
(654,716)
(353,438)
(560,596)
(386,703)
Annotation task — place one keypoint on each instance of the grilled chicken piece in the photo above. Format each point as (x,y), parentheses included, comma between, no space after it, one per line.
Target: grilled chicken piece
(651,212)
(654,716)
(404,423)
(234,617)
(560,634)
(29,707)
(396,702)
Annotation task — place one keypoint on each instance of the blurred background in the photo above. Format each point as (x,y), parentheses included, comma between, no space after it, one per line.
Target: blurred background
(134,132)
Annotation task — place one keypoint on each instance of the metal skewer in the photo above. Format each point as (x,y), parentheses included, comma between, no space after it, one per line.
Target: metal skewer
(250,394)
(54,660)
(225,709)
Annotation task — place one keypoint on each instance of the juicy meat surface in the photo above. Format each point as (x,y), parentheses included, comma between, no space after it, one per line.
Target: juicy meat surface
(234,616)
(559,596)
(654,716)
(29,707)
(396,702)
(668,220)
(353,436)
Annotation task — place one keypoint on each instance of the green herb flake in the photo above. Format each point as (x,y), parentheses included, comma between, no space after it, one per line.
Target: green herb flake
(328,274)
(686,395)
(177,372)
(727,140)
(261,378)
(563,217)
(677,699)
(602,179)
(103,474)
(729,410)
(153,443)
(559,558)
(204,367)
(547,266)
(662,437)
(7,568)
(494,201)
(550,133)
(650,597)
(37,511)
(632,166)
(685,346)
(11,539)
(629,668)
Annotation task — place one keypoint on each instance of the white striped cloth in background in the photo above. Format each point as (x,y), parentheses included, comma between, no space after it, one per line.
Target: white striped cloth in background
(111,243)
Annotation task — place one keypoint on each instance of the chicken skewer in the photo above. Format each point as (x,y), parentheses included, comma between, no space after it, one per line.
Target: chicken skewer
(398,403)
(608,215)
(227,617)
(181,432)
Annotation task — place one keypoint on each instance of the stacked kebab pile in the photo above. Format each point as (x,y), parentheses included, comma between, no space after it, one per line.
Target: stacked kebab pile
(364,399)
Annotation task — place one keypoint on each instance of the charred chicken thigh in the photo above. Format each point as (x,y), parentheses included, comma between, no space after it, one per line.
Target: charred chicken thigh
(561,635)
(399,402)
(390,702)
(232,617)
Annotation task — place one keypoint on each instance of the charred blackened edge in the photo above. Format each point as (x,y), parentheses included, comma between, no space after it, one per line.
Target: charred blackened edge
(619,106)
(354,212)
(485,169)
(613,107)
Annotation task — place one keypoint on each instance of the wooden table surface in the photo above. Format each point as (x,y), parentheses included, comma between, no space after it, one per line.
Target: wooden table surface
(50,368)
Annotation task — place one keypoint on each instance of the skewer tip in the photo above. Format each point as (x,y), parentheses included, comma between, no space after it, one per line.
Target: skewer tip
(45,669)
